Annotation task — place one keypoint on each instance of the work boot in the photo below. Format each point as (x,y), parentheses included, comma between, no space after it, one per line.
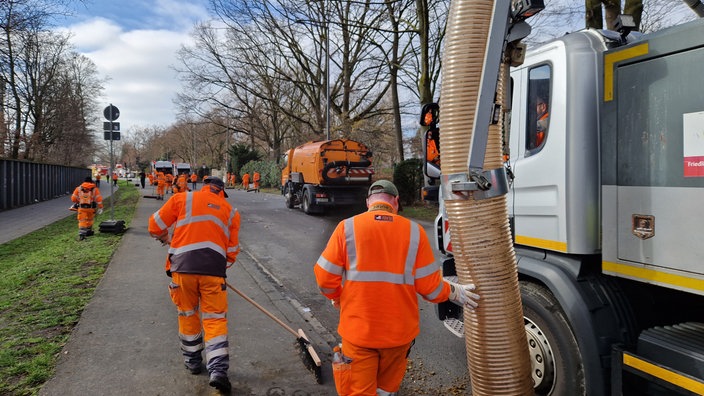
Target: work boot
(220,382)
(195,369)
(90,232)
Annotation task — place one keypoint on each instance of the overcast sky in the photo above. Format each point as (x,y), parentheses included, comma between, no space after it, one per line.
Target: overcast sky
(134,44)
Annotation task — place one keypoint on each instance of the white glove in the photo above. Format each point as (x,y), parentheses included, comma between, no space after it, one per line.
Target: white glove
(100,211)
(462,294)
(335,303)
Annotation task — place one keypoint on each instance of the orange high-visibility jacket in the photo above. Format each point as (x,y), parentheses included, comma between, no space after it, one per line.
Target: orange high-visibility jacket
(194,178)
(182,183)
(205,239)
(86,194)
(385,259)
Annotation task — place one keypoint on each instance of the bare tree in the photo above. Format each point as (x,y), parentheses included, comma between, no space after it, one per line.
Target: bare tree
(267,68)
(69,111)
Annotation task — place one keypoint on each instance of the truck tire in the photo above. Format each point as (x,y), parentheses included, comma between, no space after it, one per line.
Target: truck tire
(556,363)
(306,202)
(290,199)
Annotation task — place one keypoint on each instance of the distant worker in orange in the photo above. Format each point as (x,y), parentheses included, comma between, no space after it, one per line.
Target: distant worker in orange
(194,181)
(233,180)
(169,182)
(182,183)
(114,179)
(97,179)
(151,178)
(245,181)
(542,124)
(382,257)
(87,200)
(432,153)
(160,185)
(255,179)
(203,245)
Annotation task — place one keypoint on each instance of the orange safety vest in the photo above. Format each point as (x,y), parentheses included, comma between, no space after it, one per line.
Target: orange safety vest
(386,259)
(206,236)
(87,196)
(194,178)
(182,183)
(540,133)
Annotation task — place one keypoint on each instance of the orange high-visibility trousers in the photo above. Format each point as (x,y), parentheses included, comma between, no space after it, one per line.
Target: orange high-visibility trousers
(371,368)
(85,218)
(191,292)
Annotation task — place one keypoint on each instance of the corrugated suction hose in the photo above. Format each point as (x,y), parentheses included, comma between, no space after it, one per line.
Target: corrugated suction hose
(495,338)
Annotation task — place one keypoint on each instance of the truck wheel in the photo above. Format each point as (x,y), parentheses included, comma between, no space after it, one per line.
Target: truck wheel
(290,202)
(556,364)
(306,204)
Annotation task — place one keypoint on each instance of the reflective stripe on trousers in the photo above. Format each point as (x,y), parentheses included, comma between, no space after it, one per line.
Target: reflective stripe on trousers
(191,292)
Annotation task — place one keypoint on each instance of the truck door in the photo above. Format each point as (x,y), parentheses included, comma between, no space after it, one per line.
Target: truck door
(536,160)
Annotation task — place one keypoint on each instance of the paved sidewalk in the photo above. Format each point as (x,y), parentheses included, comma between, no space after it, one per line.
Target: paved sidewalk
(126,342)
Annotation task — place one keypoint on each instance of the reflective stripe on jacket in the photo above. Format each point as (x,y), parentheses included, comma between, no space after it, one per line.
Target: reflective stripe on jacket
(205,236)
(385,260)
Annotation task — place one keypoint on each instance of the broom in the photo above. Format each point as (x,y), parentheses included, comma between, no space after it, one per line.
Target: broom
(305,349)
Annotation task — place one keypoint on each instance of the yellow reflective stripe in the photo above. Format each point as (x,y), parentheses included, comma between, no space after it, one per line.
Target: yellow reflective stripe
(542,243)
(611,58)
(684,382)
(653,275)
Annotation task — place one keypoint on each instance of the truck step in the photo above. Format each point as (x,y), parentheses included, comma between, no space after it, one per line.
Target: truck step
(455,326)
(680,347)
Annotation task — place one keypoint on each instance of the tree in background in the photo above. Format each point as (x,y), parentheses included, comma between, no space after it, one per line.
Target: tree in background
(48,90)
(269,171)
(240,155)
(612,8)
(408,178)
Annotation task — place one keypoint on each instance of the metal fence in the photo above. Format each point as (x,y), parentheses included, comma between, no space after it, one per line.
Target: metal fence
(23,183)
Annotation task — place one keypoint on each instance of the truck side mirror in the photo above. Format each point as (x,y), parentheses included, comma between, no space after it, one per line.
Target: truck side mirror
(431,147)
(430,114)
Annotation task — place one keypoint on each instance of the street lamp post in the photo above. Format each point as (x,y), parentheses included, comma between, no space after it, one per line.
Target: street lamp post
(327,77)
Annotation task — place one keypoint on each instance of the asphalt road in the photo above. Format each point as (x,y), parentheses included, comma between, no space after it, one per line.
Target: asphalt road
(286,243)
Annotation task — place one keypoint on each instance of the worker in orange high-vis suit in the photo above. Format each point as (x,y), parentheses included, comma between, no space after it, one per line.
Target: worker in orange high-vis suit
(203,245)
(87,201)
(194,181)
(245,181)
(169,182)
(114,179)
(160,185)
(255,179)
(382,257)
(182,183)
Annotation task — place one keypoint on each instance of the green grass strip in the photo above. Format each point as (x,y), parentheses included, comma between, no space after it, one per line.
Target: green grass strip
(46,279)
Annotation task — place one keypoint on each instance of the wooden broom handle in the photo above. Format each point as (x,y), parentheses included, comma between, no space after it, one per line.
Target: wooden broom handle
(269,314)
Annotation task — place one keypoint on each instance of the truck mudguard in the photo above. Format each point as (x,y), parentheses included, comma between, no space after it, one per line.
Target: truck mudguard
(597,312)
